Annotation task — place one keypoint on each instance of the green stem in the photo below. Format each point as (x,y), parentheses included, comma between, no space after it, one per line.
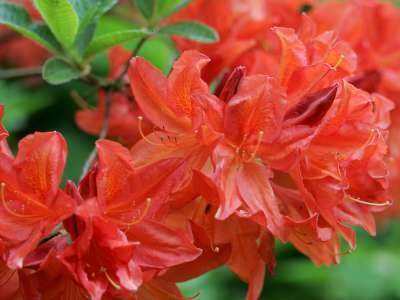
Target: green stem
(134,53)
(110,89)
(103,133)
(19,73)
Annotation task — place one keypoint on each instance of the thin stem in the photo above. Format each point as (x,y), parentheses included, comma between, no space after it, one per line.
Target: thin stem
(103,132)
(80,102)
(19,73)
(110,89)
(134,53)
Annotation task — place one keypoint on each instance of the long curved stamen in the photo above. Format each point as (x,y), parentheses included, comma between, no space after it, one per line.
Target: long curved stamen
(372,135)
(259,141)
(332,68)
(358,200)
(339,62)
(140,218)
(172,140)
(140,127)
(110,280)
(28,199)
(11,211)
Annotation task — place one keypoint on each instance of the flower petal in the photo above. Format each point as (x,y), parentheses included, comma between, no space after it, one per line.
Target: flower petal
(185,81)
(293,53)
(161,247)
(40,163)
(257,107)
(253,182)
(149,87)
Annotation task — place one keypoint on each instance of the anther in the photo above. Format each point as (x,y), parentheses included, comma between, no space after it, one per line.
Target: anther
(215,249)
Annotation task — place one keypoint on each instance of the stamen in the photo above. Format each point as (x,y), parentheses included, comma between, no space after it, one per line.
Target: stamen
(325,173)
(332,68)
(11,211)
(140,127)
(140,218)
(259,140)
(358,200)
(173,141)
(374,134)
(110,280)
(339,62)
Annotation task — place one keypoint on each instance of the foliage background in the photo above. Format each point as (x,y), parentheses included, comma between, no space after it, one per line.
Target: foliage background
(369,273)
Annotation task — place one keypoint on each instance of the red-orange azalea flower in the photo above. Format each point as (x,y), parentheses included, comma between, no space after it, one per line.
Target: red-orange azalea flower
(31,201)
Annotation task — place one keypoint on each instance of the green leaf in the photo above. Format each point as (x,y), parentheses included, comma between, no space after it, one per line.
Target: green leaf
(84,38)
(168,7)
(57,71)
(61,18)
(195,31)
(146,7)
(109,40)
(18,18)
(160,51)
(90,11)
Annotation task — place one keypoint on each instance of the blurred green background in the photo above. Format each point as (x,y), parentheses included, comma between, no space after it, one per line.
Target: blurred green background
(372,272)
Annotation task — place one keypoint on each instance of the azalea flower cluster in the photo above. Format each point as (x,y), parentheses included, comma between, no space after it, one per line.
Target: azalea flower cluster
(280,131)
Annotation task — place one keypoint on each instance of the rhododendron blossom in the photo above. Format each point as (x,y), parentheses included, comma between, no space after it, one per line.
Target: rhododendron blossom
(278,121)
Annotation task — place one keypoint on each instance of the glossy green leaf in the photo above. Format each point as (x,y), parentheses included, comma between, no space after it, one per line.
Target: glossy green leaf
(89,11)
(109,40)
(192,30)
(57,71)
(18,18)
(146,7)
(84,38)
(62,19)
(169,7)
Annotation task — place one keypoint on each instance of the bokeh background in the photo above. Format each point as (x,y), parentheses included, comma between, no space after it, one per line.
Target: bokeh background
(372,272)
